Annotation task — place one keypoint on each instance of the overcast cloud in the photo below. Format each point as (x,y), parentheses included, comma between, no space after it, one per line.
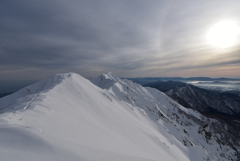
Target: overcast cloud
(134,38)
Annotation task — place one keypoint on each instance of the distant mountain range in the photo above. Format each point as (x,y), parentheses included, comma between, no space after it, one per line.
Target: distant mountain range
(145,80)
(224,105)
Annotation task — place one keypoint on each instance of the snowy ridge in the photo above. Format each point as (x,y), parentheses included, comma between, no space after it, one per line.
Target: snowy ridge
(67,117)
(158,106)
(30,93)
(105,81)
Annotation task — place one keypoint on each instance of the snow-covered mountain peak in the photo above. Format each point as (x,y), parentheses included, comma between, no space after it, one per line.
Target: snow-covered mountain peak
(105,81)
(157,106)
(31,92)
(110,76)
(74,119)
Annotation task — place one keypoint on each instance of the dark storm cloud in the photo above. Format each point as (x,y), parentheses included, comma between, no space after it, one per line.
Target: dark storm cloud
(129,38)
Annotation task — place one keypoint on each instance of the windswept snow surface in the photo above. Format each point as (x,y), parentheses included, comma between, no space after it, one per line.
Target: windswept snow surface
(67,117)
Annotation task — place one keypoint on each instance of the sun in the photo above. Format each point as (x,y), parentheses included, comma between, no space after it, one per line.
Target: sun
(224,34)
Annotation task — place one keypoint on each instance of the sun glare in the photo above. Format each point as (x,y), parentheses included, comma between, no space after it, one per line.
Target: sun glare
(223,34)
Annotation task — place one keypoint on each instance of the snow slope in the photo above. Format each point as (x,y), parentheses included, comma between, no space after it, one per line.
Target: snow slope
(67,117)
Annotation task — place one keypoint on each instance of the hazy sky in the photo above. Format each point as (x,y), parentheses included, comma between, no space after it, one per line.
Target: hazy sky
(130,38)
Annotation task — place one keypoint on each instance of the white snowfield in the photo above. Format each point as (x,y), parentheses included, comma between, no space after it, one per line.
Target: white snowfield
(69,118)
